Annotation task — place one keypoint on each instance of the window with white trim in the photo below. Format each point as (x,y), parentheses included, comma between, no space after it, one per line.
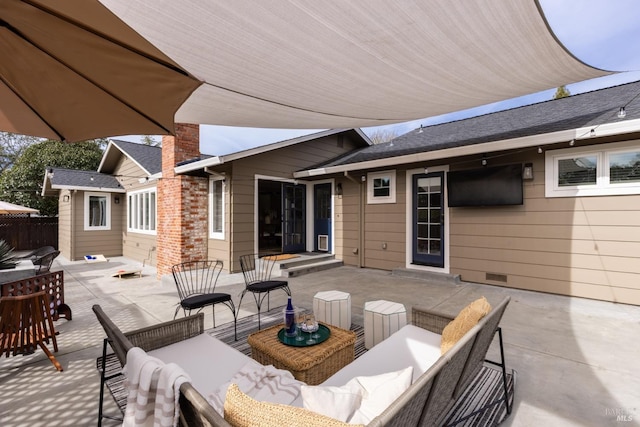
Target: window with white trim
(141,211)
(97,211)
(596,170)
(381,187)
(216,208)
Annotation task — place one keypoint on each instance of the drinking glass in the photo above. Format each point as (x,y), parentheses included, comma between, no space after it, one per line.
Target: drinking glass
(301,317)
(310,325)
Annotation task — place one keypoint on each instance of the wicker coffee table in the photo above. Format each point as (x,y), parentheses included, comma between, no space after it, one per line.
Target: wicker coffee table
(311,365)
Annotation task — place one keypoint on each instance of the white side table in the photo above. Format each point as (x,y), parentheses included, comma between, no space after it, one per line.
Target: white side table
(334,308)
(381,319)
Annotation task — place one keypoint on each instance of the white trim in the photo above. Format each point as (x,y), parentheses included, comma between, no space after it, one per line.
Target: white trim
(602,187)
(218,235)
(87,227)
(311,244)
(409,221)
(94,189)
(149,190)
(371,177)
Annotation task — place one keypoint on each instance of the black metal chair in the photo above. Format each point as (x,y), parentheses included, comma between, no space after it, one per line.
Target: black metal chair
(43,262)
(196,283)
(257,276)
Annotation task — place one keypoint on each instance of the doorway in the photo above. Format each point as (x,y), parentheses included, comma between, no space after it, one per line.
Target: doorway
(281,217)
(428,219)
(322,217)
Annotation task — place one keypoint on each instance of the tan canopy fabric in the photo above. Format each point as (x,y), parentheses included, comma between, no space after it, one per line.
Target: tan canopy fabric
(72,70)
(335,63)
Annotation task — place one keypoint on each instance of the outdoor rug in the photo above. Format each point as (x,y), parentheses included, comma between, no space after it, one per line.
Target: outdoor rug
(485,391)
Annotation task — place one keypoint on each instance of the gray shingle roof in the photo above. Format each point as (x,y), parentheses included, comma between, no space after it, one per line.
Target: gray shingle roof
(582,110)
(86,179)
(148,156)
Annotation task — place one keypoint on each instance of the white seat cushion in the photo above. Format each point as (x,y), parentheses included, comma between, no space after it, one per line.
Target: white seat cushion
(410,346)
(208,361)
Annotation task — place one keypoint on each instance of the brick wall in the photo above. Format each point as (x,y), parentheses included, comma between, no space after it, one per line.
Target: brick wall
(182,203)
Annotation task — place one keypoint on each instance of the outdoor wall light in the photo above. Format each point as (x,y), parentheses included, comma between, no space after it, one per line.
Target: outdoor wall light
(339,189)
(116,200)
(65,198)
(527,172)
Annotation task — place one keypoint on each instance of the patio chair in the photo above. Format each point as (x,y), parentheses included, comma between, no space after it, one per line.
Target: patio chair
(37,253)
(196,283)
(43,262)
(257,276)
(25,322)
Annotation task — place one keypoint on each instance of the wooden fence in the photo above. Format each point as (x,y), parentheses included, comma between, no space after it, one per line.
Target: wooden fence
(25,233)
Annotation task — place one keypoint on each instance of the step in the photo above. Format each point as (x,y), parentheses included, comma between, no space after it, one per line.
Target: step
(311,268)
(304,259)
(426,275)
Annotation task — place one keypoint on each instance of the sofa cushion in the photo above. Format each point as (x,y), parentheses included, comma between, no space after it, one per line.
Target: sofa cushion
(208,361)
(410,346)
(241,410)
(464,321)
(335,402)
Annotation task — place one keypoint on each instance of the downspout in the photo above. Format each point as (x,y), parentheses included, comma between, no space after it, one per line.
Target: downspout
(360,217)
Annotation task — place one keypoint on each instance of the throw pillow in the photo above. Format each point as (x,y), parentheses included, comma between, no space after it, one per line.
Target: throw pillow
(361,399)
(464,321)
(335,402)
(241,410)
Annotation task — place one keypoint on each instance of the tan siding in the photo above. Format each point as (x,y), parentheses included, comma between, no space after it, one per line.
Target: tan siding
(586,246)
(64,224)
(140,247)
(107,242)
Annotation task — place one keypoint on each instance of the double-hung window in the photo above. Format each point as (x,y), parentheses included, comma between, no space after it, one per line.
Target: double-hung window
(595,170)
(216,208)
(142,208)
(97,211)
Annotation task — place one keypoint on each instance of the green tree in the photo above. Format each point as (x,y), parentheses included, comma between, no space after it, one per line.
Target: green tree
(150,140)
(22,184)
(561,92)
(12,146)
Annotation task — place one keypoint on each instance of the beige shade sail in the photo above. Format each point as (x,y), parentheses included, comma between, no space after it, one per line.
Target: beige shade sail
(339,64)
(71,70)
(7,208)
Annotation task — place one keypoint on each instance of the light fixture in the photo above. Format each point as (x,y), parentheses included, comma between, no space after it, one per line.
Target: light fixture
(527,172)
(572,142)
(484,161)
(592,133)
(539,150)
(116,200)
(65,198)
(339,189)
(420,129)
(91,177)
(426,170)
(622,113)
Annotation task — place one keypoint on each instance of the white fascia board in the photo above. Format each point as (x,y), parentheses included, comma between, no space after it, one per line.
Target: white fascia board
(104,155)
(99,189)
(608,129)
(507,144)
(200,164)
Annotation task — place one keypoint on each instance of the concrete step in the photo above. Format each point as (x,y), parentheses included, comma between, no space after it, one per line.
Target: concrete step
(304,259)
(426,275)
(302,269)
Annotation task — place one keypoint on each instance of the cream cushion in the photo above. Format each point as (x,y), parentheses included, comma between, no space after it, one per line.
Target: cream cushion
(464,321)
(241,410)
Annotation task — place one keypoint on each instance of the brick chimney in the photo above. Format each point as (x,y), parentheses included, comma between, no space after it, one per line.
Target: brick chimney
(182,203)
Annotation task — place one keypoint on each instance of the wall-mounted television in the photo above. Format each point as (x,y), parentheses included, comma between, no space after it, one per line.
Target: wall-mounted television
(487,186)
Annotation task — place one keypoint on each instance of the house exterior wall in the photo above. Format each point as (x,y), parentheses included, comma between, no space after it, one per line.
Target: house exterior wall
(89,242)
(276,164)
(580,246)
(141,247)
(64,223)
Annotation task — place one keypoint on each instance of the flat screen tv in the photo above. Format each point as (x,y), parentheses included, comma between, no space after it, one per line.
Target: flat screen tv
(488,186)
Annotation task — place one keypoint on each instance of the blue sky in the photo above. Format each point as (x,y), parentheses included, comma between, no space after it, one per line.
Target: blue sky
(602,33)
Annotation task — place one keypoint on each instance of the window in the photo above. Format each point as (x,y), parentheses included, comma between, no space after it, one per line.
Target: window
(141,215)
(593,171)
(97,211)
(381,187)
(216,208)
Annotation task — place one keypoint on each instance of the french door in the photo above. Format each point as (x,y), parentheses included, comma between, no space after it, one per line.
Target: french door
(428,219)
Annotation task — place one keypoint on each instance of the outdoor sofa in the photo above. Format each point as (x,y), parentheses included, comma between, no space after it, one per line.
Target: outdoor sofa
(427,400)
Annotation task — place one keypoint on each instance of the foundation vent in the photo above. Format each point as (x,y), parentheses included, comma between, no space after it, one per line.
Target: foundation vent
(496,277)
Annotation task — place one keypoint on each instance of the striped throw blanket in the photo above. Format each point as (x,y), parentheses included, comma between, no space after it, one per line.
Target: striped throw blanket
(263,383)
(153,390)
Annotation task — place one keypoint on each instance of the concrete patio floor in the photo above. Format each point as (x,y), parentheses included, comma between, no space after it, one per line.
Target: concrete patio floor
(576,359)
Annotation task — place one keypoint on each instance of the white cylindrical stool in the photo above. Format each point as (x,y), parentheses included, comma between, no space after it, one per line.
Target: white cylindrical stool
(381,319)
(334,308)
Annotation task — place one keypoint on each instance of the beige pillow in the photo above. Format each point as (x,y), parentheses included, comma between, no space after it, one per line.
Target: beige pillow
(464,321)
(241,410)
